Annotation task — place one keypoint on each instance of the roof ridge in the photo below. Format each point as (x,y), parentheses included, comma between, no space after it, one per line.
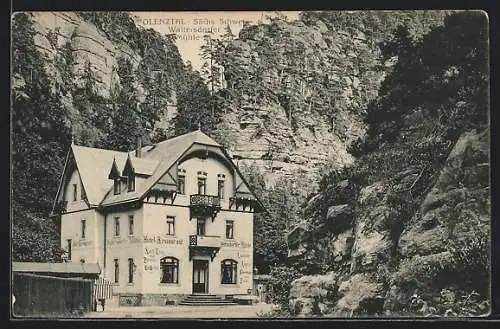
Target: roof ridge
(97,148)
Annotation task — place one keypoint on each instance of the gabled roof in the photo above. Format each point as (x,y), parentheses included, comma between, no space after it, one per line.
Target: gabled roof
(77,268)
(167,153)
(95,165)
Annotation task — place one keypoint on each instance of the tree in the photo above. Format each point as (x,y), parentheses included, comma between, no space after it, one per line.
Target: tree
(125,115)
(194,106)
(41,136)
(439,74)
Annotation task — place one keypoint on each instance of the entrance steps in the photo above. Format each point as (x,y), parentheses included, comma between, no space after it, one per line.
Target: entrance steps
(205,300)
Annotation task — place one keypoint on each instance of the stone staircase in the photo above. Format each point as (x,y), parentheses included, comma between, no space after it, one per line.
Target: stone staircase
(205,300)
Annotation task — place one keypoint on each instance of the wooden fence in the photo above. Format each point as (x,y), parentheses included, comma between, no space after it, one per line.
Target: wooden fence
(39,295)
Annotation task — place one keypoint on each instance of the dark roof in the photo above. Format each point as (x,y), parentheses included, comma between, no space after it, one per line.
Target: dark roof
(76,268)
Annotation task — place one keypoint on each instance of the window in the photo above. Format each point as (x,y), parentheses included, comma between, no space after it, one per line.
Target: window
(68,248)
(130,270)
(202,185)
(169,270)
(170,225)
(220,189)
(117,226)
(117,271)
(131,225)
(117,186)
(181,185)
(131,182)
(228,271)
(75,192)
(229,229)
(200,226)
(83,228)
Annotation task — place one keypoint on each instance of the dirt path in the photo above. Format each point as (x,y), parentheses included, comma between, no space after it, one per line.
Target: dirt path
(178,311)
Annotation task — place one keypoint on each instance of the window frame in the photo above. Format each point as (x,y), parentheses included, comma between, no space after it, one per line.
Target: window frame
(131,270)
(232,265)
(171,220)
(83,228)
(221,186)
(167,264)
(75,192)
(131,182)
(231,222)
(117,186)
(181,178)
(202,182)
(68,246)
(198,221)
(131,225)
(117,270)
(117,227)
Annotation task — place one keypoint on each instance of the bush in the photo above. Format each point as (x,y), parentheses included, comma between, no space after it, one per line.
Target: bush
(281,282)
(449,303)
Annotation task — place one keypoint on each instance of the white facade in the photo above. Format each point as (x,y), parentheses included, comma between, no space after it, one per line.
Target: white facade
(212,260)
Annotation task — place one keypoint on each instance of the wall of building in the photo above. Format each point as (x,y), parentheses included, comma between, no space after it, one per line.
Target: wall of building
(212,167)
(240,249)
(87,248)
(123,247)
(79,204)
(157,244)
(150,241)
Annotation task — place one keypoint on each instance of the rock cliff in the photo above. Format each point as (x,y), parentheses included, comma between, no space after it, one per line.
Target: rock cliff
(392,259)
(98,41)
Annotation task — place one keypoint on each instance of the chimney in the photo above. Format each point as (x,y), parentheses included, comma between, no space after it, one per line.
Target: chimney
(138,146)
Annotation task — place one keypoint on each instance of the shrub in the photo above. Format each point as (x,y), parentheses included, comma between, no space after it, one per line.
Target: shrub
(281,282)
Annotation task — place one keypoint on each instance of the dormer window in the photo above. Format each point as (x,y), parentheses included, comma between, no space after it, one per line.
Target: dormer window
(115,176)
(129,175)
(117,186)
(131,182)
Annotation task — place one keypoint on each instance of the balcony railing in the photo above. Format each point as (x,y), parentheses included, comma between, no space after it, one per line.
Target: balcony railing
(211,241)
(205,200)
(204,245)
(203,205)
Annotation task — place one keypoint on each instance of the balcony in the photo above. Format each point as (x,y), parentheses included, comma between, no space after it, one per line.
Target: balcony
(203,205)
(244,203)
(204,245)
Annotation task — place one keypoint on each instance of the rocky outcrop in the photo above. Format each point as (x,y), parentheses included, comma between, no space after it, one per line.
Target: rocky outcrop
(310,292)
(86,41)
(457,209)
(71,43)
(307,106)
(393,259)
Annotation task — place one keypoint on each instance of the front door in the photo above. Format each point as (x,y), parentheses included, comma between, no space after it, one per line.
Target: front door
(200,276)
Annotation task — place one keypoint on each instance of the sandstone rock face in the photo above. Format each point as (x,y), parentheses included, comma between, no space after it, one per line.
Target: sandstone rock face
(373,233)
(306,289)
(281,129)
(391,262)
(356,292)
(57,32)
(87,42)
(456,209)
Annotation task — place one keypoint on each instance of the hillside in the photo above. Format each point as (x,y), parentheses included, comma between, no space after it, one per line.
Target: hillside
(405,230)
